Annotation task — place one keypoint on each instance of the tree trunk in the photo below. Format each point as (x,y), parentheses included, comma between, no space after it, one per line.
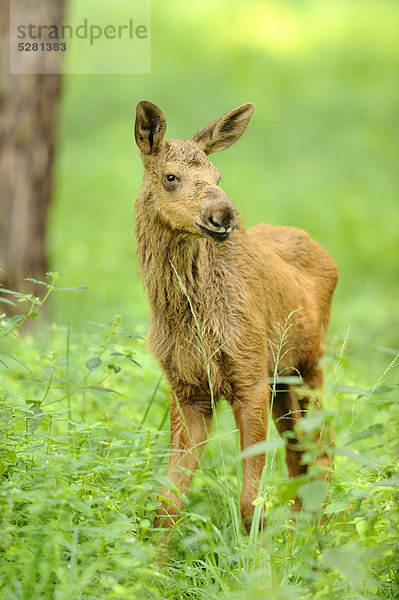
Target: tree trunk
(28,106)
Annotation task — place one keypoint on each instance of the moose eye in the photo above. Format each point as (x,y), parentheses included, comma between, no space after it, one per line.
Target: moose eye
(170,178)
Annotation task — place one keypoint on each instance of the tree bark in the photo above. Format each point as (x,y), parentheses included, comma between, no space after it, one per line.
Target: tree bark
(28,107)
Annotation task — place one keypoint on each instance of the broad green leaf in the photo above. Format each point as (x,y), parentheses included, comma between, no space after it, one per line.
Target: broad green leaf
(35,417)
(4,290)
(337,507)
(289,489)
(93,363)
(351,561)
(99,388)
(258,501)
(312,422)
(358,391)
(390,351)
(362,528)
(16,360)
(7,301)
(372,431)
(313,495)
(35,281)
(84,426)
(361,458)
(79,288)
(262,447)
(388,482)
(145,523)
(350,389)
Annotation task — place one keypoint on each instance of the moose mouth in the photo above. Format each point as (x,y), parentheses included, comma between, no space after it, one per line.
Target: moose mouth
(217,236)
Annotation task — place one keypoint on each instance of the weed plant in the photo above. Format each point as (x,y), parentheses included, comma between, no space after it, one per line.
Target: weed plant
(84,444)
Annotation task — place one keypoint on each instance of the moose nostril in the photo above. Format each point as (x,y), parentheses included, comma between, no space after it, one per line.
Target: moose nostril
(213,222)
(218,215)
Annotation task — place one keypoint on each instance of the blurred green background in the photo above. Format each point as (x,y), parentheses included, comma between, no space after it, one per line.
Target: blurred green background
(321,151)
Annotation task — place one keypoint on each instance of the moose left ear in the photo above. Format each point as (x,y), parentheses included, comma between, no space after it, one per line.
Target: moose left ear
(222,133)
(150,127)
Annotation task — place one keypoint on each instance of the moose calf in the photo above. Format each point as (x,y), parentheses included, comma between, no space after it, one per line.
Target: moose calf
(219,298)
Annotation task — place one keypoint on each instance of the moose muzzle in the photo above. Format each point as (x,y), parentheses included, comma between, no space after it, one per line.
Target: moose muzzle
(217,217)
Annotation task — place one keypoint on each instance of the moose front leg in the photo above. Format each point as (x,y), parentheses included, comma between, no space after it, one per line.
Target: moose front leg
(251,413)
(189,425)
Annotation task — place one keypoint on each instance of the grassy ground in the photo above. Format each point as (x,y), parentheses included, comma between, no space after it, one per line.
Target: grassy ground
(84,444)
(84,437)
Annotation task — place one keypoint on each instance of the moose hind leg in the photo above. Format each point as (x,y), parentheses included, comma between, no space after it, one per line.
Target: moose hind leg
(322,438)
(288,409)
(286,412)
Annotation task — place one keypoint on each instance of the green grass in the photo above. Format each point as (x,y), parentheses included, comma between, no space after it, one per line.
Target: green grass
(84,445)
(84,438)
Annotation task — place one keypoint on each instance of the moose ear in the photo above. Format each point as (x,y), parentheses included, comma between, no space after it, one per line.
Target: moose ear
(226,130)
(150,127)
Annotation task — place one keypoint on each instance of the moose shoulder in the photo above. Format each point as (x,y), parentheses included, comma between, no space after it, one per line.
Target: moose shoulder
(221,298)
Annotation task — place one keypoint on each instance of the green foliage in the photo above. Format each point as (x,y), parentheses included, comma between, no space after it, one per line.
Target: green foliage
(76,469)
(83,453)
(31,302)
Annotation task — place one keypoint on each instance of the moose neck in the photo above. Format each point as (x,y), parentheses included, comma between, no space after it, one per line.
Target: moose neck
(174,266)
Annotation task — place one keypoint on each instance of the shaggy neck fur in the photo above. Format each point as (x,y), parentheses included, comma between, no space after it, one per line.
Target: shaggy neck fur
(194,260)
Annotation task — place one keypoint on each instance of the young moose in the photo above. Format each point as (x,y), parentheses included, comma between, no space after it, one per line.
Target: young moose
(220,297)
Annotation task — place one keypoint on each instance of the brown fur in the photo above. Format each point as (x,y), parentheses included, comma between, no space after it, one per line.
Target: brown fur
(218,308)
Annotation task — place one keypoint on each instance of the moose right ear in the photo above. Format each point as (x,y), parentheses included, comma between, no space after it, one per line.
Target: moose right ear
(225,131)
(150,127)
